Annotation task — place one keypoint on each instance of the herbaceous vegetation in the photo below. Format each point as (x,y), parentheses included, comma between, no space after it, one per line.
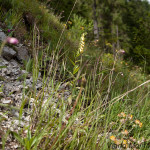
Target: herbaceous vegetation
(99,51)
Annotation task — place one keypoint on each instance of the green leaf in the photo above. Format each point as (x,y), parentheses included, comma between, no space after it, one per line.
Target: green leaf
(29,134)
(3,67)
(78,54)
(18,137)
(37,138)
(76,69)
(70,99)
(72,61)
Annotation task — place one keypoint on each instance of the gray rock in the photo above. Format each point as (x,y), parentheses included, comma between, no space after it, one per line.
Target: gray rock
(18,123)
(8,53)
(2,35)
(22,53)
(6,100)
(24,72)
(15,113)
(39,86)
(14,64)
(4,62)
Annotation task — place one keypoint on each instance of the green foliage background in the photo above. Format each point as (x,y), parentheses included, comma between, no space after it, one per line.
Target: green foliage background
(132,18)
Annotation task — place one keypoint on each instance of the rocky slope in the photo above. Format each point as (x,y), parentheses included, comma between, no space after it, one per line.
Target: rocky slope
(14,83)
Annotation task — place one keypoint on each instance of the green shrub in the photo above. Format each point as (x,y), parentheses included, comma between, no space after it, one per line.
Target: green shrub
(79,25)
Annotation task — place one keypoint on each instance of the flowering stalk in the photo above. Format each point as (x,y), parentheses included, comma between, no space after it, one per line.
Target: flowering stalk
(82,43)
(79,52)
(75,69)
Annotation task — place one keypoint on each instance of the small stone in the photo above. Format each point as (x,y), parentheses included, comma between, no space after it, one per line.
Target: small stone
(24,71)
(22,53)
(8,53)
(6,101)
(2,36)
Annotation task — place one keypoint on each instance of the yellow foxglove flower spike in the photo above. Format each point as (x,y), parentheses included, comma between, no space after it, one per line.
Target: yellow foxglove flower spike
(82,43)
